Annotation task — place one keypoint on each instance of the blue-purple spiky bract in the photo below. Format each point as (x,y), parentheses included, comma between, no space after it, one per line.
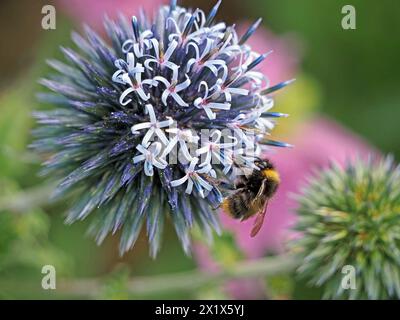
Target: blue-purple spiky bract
(126,105)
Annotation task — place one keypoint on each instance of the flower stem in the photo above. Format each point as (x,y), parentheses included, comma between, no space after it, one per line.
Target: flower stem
(185,281)
(25,200)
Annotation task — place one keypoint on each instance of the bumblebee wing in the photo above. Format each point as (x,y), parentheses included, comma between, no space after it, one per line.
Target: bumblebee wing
(260,194)
(259,221)
(260,217)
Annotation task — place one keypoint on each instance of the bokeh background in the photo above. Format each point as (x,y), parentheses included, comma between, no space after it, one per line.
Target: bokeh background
(345,102)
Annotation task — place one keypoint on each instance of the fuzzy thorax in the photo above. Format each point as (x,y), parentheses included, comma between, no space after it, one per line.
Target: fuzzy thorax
(272,175)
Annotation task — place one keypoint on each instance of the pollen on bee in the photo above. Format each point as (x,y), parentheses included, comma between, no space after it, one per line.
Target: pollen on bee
(271,174)
(225,206)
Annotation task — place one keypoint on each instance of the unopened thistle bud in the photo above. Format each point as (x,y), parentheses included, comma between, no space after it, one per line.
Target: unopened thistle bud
(350,220)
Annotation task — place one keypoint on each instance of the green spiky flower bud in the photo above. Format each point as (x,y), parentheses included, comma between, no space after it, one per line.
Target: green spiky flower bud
(350,220)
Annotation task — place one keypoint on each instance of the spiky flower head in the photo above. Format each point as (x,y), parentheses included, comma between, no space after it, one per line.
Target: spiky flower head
(147,122)
(350,221)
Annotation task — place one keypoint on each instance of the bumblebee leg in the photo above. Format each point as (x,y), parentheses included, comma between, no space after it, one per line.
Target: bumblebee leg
(217,207)
(219,183)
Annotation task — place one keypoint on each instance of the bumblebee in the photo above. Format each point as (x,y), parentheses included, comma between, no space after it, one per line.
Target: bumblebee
(251,194)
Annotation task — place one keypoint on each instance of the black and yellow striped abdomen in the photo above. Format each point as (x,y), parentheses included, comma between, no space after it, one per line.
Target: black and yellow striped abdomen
(239,205)
(253,194)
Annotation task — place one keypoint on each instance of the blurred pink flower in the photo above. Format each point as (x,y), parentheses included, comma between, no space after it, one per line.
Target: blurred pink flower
(92,12)
(316,143)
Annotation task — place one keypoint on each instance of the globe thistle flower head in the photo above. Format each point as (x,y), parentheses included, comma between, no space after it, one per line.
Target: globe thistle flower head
(350,217)
(148,120)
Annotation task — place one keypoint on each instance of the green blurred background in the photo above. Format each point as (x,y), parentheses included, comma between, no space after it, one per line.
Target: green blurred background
(354,75)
